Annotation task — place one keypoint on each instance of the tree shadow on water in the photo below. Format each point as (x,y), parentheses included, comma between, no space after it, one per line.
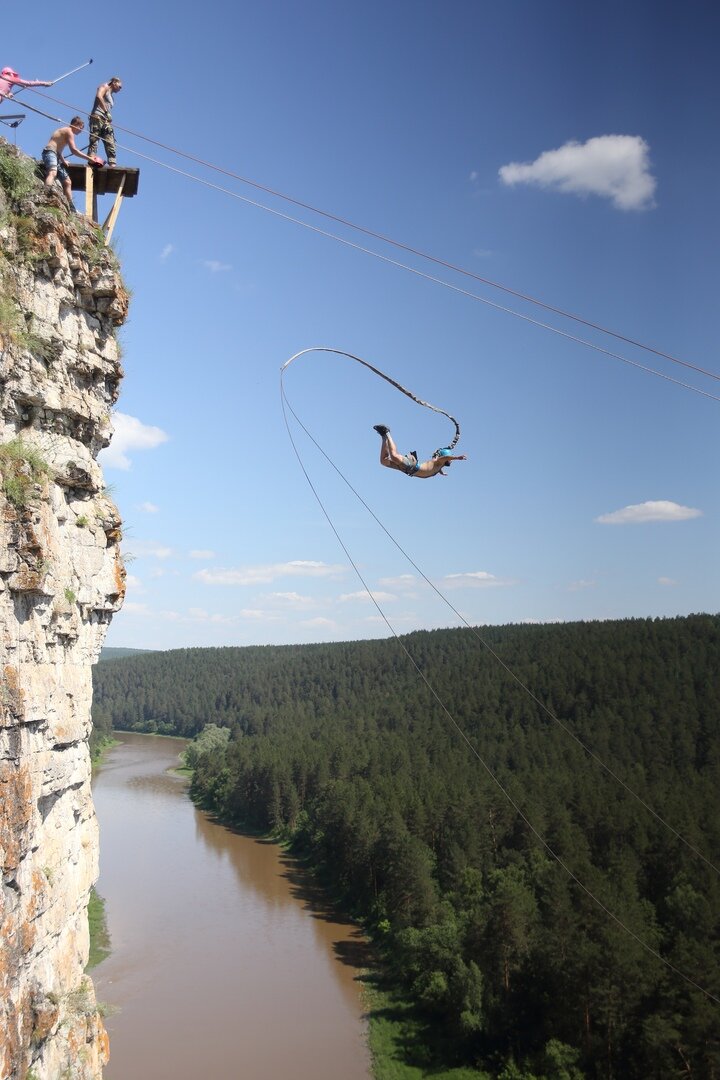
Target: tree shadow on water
(356,952)
(310,893)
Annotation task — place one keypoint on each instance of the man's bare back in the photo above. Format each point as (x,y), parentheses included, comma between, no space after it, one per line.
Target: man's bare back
(61,139)
(54,164)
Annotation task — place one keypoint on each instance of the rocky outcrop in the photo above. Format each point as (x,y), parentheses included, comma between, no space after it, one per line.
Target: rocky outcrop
(61,579)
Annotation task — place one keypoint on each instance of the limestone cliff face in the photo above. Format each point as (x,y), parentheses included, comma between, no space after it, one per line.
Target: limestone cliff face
(61,579)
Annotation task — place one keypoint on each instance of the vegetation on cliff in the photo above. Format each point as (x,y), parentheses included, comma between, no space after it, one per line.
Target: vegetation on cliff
(343,748)
(22,468)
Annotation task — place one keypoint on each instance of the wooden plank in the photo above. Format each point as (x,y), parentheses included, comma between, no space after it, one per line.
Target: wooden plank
(105,181)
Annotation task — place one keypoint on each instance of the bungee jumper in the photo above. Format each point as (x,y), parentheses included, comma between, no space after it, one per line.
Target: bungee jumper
(408,463)
(389,454)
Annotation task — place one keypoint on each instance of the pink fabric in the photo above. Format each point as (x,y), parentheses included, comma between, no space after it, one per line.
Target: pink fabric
(9,78)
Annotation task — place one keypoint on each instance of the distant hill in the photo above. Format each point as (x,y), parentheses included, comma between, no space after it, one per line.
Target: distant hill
(119,654)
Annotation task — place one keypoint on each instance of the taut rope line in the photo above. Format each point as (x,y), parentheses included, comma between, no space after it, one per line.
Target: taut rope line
(397,244)
(413,270)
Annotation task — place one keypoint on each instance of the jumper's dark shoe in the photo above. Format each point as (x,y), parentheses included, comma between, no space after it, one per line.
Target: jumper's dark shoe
(381,429)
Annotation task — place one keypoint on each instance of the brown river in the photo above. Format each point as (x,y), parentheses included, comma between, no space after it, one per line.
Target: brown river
(224,961)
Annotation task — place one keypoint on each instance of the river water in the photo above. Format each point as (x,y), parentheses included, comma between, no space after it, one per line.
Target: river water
(224,961)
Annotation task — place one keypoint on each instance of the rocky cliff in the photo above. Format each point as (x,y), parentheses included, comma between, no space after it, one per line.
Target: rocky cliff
(61,579)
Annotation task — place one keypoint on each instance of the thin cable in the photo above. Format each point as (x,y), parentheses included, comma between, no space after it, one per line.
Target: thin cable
(399,244)
(508,670)
(412,270)
(558,858)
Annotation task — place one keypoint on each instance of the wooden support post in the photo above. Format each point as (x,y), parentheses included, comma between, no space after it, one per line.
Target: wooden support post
(90,200)
(109,223)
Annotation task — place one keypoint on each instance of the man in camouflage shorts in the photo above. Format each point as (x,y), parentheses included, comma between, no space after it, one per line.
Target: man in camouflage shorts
(101,119)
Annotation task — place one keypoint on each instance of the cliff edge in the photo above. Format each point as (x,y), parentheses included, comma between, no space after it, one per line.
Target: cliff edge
(61,580)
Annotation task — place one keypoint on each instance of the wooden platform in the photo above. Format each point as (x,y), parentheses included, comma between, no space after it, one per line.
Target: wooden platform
(105,181)
(95,180)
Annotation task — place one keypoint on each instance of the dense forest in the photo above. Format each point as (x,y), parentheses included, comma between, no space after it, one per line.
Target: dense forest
(344,748)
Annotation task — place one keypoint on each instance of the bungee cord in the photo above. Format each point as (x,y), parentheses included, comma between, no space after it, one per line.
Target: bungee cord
(398,244)
(465,738)
(387,378)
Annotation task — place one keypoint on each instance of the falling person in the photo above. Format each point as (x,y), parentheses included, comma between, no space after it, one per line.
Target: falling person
(408,463)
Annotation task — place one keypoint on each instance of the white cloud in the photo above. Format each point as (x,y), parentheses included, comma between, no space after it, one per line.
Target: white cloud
(577,586)
(475,579)
(264,575)
(202,553)
(653,510)
(200,615)
(397,620)
(166,252)
(258,615)
(216,267)
(482,253)
(129,434)
(130,608)
(403,581)
(667,581)
(148,507)
(290,599)
(474,175)
(151,549)
(134,584)
(320,621)
(364,597)
(616,167)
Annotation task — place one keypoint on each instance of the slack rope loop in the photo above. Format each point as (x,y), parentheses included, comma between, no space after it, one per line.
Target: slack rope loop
(387,378)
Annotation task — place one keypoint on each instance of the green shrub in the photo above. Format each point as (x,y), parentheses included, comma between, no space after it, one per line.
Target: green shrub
(10,320)
(26,232)
(17,174)
(99,934)
(21,467)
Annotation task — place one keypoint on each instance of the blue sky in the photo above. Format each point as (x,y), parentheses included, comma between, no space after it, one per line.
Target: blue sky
(565,150)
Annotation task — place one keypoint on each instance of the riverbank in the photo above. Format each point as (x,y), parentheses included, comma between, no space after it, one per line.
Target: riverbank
(99,748)
(216,932)
(403,1045)
(99,934)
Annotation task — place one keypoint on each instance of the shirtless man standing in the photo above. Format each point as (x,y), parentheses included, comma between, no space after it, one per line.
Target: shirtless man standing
(408,463)
(54,163)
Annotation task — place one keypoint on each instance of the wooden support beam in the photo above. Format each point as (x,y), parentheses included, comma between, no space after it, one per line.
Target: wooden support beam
(90,201)
(122,183)
(109,223)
